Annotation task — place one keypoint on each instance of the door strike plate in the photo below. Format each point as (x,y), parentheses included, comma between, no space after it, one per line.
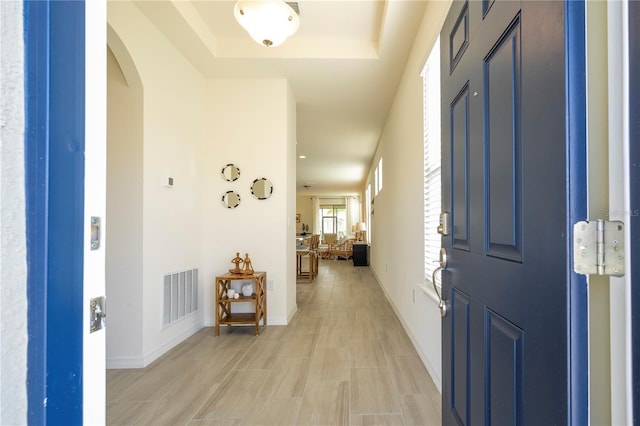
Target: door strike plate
(97,314)
(598,248)
(95,232)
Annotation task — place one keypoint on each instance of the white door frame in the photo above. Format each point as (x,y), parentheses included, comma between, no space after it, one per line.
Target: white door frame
(619,209)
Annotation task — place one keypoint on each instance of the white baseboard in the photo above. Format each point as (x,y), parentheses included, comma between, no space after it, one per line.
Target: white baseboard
(141,362)
(437,380)
(292,314)
(124,362)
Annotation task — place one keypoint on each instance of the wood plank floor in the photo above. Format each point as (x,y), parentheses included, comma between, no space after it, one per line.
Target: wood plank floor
(344,359)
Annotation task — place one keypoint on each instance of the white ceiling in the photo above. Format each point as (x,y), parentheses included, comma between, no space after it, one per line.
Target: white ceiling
(343,65)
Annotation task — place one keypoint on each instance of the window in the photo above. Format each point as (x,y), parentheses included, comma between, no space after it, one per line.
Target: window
(334,220)
(378,177)
(432,190)
(368,210)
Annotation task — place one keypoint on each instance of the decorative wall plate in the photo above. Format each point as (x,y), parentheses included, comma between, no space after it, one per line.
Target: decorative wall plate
(231,199)
(230,172)
(261,188)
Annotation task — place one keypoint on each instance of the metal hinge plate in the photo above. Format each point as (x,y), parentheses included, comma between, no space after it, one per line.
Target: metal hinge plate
(598,248)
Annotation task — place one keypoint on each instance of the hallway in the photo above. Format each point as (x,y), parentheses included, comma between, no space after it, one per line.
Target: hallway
(344,359)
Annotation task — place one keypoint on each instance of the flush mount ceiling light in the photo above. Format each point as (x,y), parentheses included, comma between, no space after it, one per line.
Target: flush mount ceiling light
(268,22)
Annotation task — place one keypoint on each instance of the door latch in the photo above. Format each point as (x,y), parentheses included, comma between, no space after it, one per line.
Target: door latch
(598,248)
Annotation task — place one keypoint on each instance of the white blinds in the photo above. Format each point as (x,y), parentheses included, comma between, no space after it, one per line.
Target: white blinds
(432,189)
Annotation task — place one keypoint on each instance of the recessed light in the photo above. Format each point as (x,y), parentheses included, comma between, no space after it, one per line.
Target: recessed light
(302,156)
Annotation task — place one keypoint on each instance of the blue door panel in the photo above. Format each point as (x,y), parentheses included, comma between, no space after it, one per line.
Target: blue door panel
(459,168)
(459,37)
(503,369)
(502,143)
(460,366)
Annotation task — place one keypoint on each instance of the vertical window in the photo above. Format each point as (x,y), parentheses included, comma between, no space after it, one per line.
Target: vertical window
(368,211)
(378,177)
(432,189)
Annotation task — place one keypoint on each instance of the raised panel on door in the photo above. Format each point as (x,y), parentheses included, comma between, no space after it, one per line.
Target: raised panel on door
(460,367)
(502,146)
(459,111)
(503,370)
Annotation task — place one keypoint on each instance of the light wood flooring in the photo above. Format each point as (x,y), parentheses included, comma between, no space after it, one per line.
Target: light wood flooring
(344,359)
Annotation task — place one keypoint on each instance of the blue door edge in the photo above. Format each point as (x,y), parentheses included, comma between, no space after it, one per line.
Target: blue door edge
(36,39)
(54,39)
(634,195)
(576,158)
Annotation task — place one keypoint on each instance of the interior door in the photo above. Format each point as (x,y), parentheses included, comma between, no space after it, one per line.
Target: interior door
(504,171)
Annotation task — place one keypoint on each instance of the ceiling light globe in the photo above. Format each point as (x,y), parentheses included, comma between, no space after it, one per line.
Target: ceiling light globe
(268,22)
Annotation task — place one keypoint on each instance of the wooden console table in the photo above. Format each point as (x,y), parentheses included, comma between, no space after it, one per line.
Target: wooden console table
(258,298)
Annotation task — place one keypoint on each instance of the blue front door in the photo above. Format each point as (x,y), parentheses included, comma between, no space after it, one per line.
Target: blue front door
(54,150)
(506,155)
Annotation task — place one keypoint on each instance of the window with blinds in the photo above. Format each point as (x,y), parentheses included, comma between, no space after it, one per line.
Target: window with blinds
(432,189)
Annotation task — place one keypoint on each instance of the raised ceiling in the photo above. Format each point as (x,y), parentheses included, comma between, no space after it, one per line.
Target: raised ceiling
(343,65)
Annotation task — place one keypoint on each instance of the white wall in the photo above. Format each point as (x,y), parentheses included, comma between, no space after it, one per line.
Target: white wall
(173,133)
(251,123)
(290,207)
(191,127)
(13,267)
(397,251)
(124,213)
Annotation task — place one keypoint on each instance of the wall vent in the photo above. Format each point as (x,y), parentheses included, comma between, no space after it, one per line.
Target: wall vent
(295,6)
(180,295)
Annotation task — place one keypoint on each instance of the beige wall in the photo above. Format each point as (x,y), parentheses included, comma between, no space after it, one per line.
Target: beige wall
(397,252)
(304,206)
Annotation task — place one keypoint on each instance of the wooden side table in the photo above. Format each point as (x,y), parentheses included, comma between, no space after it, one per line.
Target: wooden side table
(258,298)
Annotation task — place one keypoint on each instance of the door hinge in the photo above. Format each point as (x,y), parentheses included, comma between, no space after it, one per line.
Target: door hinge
(598,248)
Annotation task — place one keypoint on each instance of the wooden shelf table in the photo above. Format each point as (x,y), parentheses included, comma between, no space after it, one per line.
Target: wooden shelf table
(258,298)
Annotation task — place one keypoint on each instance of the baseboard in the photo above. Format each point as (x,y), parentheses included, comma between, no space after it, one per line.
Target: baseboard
(158,352)
(293,312)
(141,362)
(437,380)
(124,362)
